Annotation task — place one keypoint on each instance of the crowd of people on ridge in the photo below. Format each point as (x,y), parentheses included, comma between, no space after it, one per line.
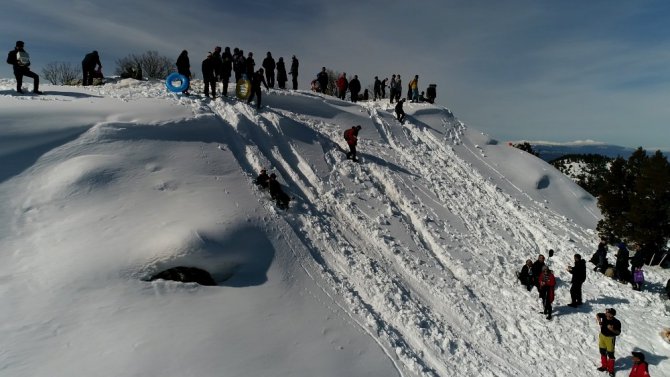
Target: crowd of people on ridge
(539,275)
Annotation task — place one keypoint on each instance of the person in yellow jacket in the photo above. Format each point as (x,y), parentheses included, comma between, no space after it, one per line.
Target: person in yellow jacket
(414,85)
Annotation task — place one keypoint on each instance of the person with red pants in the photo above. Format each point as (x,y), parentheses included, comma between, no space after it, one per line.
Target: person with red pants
(610,328)
(640,367)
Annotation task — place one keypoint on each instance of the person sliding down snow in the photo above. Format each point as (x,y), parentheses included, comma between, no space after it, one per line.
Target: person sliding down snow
(399,112)
(263,179)
(277,193)
(351,136)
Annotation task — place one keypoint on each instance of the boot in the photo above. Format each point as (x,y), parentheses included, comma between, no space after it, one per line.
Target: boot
(610,366)
(603,363)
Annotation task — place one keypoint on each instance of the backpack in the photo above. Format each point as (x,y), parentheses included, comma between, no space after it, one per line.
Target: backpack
(638,276)
(347,134)
(11,57)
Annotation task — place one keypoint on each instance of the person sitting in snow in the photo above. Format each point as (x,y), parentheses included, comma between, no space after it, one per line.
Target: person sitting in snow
(640,367)
(263,179)
(399,112)
(599,258)
(526,275)
(277,193)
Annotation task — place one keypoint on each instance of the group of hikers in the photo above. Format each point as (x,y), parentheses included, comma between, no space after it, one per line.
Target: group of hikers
(539,275)
(220,66)
(353,86)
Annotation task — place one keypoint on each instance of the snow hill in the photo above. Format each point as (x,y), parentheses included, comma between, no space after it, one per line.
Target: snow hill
(400,265)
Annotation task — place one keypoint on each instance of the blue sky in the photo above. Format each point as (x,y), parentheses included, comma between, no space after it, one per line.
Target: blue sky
(519,70)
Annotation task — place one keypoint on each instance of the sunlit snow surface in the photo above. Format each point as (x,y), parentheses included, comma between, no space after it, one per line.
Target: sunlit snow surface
(401,265)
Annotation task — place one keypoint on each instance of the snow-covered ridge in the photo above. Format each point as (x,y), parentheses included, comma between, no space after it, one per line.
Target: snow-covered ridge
(400,265)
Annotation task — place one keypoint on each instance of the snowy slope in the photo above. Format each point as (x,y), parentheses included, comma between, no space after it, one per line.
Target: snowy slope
(400,265)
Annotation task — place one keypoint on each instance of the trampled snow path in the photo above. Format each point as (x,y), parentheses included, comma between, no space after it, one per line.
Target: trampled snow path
(399,218)
(419,243)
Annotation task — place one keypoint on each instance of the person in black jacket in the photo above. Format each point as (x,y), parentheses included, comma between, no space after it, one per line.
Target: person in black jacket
(377,89)
(263,179)
(277,193)
(251,65)
(322,78)
(184,68)
(621,266)
(91,60)
(354,88)
(294,72)
(20,60)
(599,258)
(400,114)
(578,278)
(537,269)
(526,275)
(209,74)
(226,70)
(281,73)
(269,66)
(256,82)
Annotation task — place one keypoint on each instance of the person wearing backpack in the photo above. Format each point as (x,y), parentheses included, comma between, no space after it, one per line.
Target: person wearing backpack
(351,136)
(20,61)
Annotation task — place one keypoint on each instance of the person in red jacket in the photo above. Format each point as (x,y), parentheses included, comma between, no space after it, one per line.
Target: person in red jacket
(351,136)
(547,282)
(640,367)
(342,86)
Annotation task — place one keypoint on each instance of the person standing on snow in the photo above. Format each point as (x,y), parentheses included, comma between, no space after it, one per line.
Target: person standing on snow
(398,88)
(209,74)
(250,65)
(256,82)
(414,87)
(342,85)
(547,283)
(184,68)
(226,70)
(377,89)
(91,60)
(269,65)
(578,277)
(392,89)
(354,88)
(322,78)
(537,270)
(351,136)
(281,73)
(277,193)
(621,266)
(610,328)
(294,71)
(20,60)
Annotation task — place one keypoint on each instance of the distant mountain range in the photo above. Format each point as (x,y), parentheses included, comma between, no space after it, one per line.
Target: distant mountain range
(549,151)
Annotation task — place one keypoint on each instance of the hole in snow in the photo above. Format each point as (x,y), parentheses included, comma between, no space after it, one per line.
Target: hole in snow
(185,275)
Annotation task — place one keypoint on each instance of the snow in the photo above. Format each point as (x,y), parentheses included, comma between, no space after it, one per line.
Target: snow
(401,265)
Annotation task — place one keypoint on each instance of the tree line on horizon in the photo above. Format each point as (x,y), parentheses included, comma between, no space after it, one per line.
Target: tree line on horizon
(633,196)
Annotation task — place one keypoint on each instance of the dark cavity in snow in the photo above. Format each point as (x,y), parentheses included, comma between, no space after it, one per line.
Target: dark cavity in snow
(185,275)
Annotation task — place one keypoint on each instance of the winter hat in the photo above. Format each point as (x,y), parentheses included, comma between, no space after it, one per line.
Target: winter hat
(358,127)
(639,355)
(611,310)
(19,43)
